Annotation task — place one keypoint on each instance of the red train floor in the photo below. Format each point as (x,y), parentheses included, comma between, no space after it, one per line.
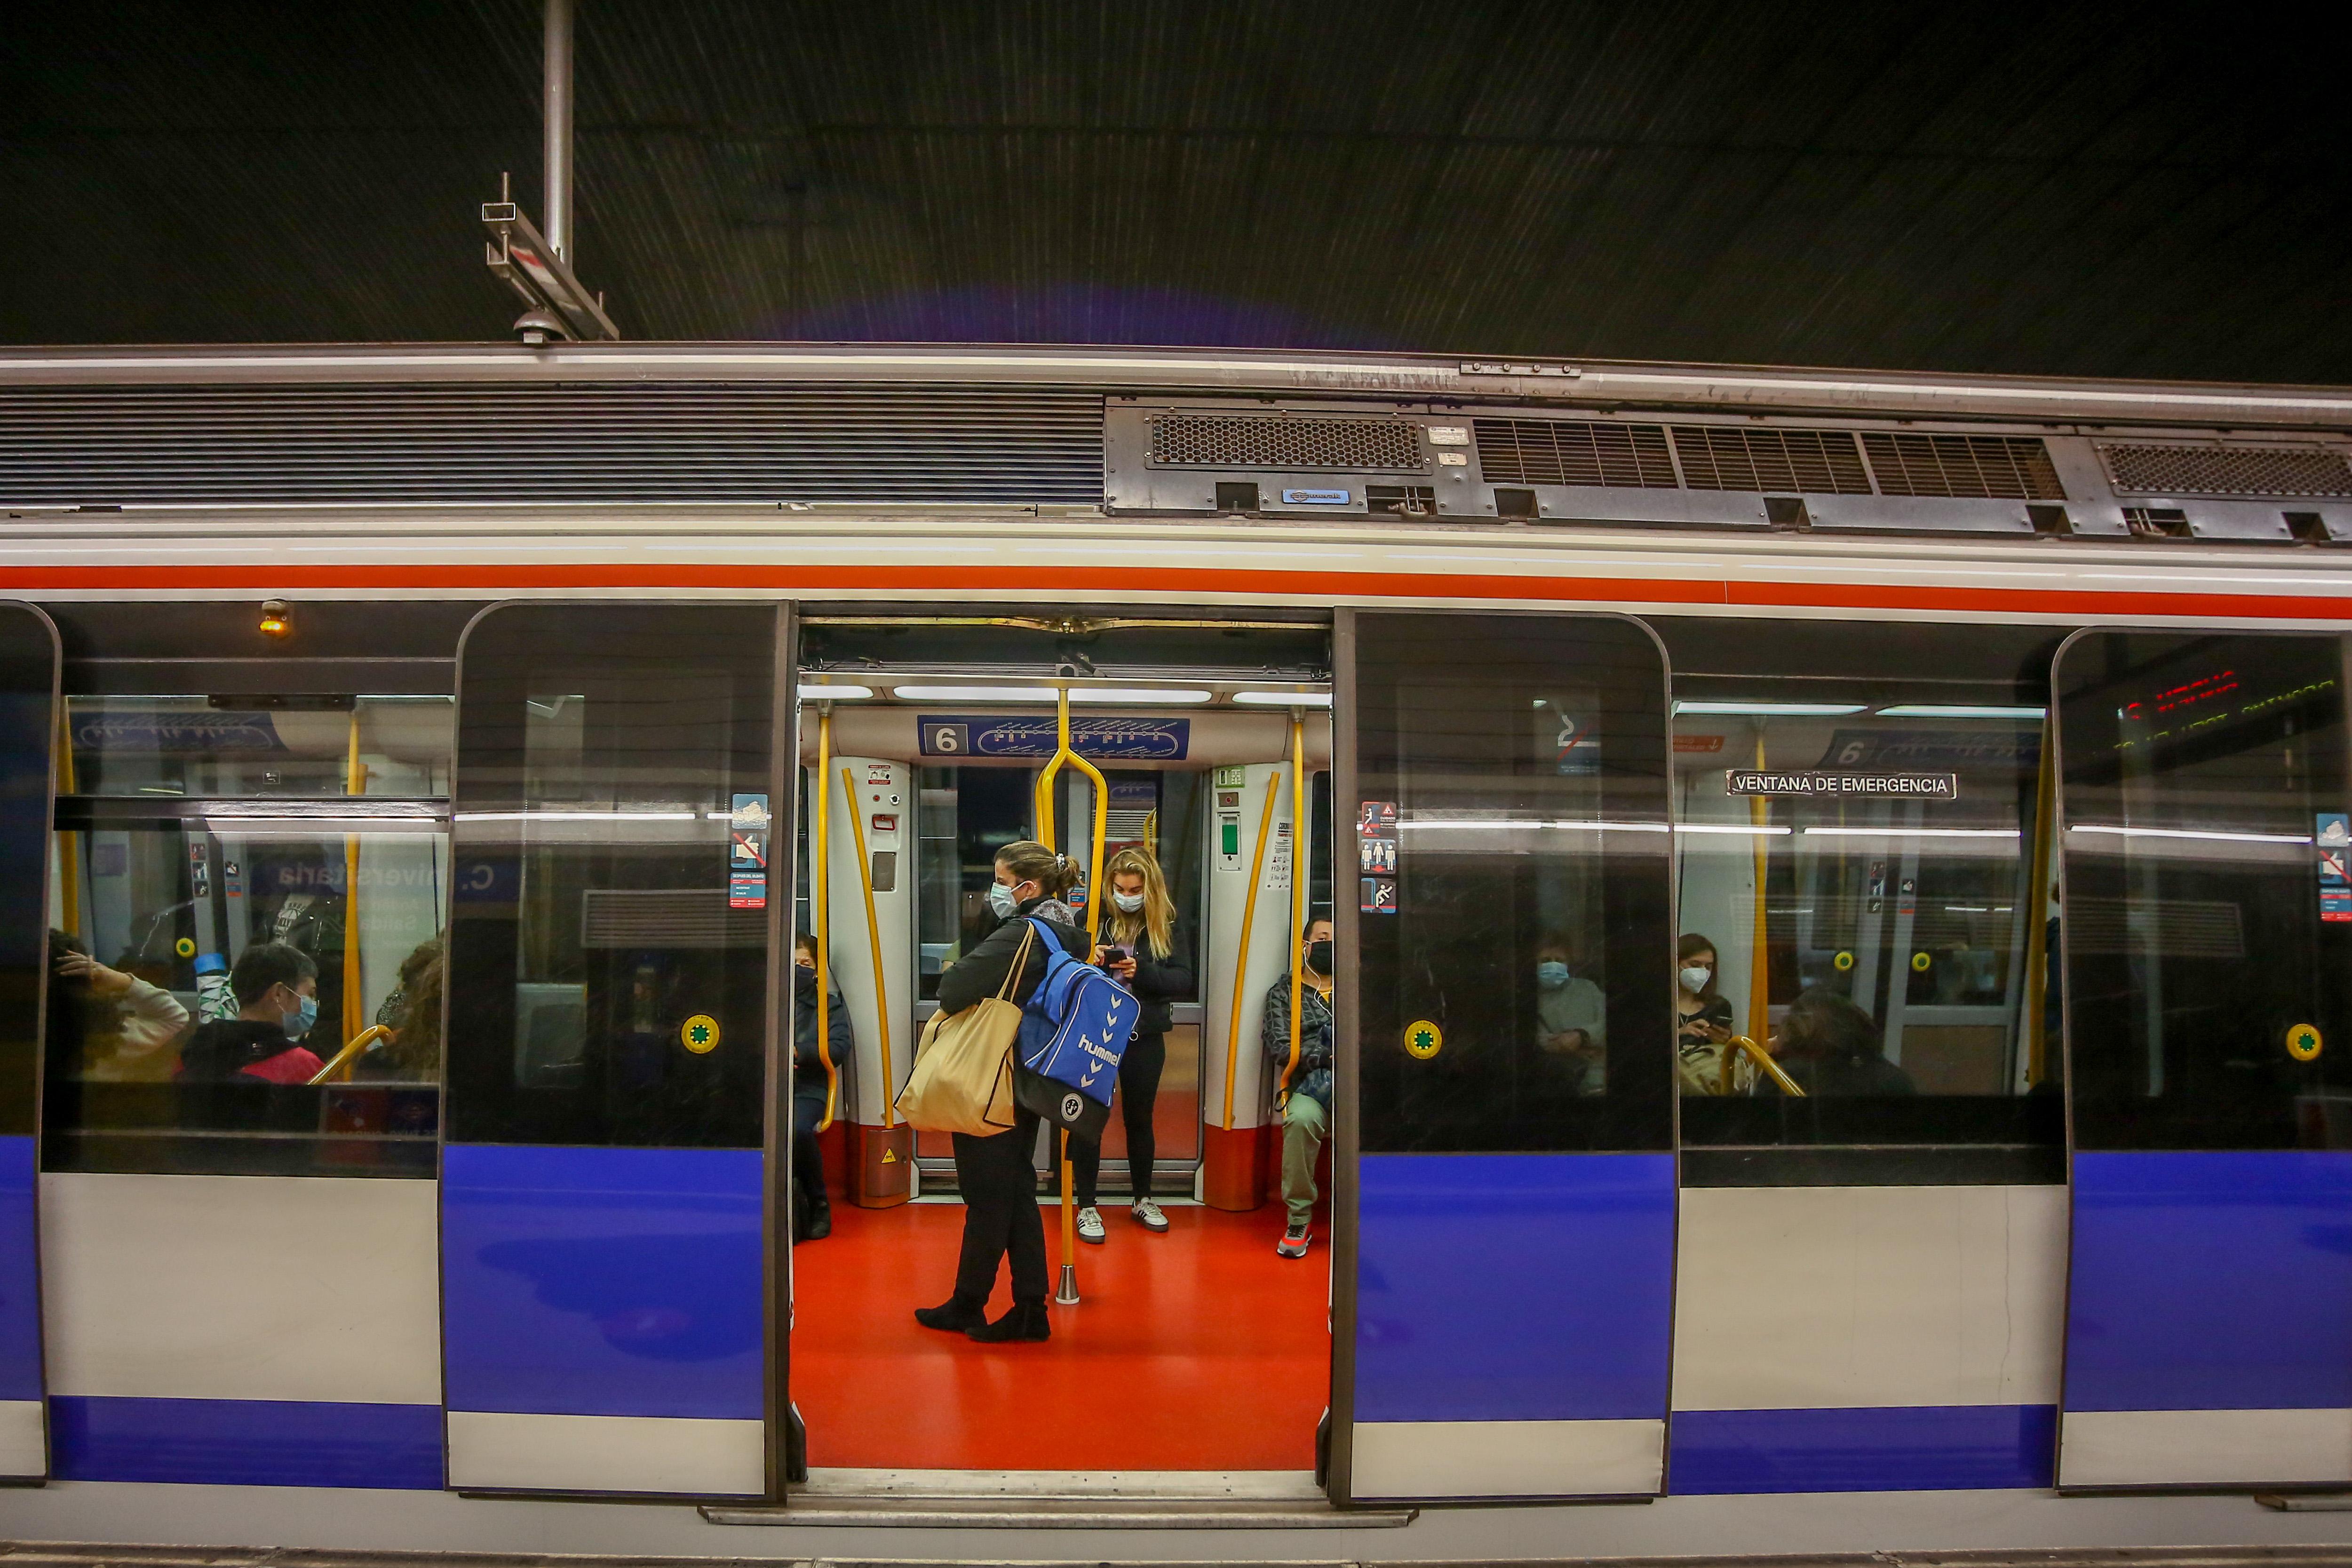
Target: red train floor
(1199,1350)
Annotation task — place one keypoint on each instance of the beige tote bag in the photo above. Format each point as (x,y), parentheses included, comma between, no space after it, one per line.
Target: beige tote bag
(962,1081)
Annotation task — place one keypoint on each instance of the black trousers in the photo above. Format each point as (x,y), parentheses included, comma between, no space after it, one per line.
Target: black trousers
(1000,1212)
(1139,1090)
(808,1161)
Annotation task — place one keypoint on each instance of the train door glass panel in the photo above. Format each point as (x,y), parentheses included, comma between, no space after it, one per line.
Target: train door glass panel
(198,838)
(612,987)
(29,695)
(2209,996)
(1507,817)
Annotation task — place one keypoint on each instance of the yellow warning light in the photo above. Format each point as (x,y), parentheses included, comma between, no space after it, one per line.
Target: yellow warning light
(1422,1039)
(277,618)
(1843,961)
(1922,962)
(186,947)
(700,1034)
(2304,1043)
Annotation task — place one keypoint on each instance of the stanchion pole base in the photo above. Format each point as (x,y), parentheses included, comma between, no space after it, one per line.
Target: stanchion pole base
(1067,1296)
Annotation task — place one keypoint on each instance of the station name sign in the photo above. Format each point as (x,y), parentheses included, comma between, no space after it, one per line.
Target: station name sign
(1818,786)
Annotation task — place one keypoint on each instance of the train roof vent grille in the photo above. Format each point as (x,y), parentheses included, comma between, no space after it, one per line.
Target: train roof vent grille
(1731,458)
(579,443)
(2005,467)
(2150,468)
(1276,441)
(667,918)
(1564,452)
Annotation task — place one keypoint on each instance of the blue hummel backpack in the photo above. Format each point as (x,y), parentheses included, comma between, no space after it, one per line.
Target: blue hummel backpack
(1074,1031)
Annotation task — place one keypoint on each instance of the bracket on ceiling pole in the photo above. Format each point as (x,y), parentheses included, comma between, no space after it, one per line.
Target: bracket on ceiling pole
(538,266)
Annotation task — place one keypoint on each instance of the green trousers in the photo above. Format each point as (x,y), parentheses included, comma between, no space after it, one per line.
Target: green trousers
(1305,1124)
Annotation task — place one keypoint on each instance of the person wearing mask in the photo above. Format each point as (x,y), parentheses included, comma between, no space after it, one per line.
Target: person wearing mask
(1307,1108)
(813,1216)
(106,1026)
(996,1176)
(276,986)
(1572,1019)
(1703,1029)
(1829,1046)
(412,1013)
(1153,958)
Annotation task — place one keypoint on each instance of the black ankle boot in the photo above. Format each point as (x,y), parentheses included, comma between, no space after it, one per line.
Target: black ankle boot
(820,1224)
(957,1315)
(1023,1321)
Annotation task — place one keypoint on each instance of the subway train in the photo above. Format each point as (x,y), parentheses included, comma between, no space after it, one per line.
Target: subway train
(1840,889)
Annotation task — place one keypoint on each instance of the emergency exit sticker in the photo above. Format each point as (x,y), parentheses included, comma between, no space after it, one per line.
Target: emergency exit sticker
(2331,843)
(746,853)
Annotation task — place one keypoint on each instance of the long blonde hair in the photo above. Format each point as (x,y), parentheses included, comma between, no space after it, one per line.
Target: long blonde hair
(1157,919)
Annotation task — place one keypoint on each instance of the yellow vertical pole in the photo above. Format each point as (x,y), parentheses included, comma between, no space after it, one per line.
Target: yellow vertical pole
(1759,968)
(820,919)
(873,935)
(354,1004)
(1297,886)
(68,844)
(1241,962)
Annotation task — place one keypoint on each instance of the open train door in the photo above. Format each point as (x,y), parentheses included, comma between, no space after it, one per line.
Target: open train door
(609,1249)
(1505,1251)
(29,729)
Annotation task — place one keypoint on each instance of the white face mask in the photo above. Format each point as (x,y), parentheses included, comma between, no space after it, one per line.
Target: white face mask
(1001,899)
(1694,978)
(1128,902)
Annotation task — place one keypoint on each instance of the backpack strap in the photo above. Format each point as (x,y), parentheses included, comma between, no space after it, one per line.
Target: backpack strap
(1046,931)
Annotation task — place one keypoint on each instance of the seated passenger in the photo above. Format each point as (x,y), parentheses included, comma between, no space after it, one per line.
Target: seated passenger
(412,1053)
(812,1212)
(1571,1018)
(1307,1108)
(1831,1046)
(109,1026)
(276,986)
(1703,1031)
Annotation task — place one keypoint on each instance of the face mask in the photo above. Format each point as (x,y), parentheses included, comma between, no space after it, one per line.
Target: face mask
(1128,902)
(1001,899)
(1552,974)
(1319,956)
(1694,978)
(297,1023)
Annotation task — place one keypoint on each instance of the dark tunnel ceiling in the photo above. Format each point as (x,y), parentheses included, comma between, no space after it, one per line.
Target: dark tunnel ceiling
(2137,192)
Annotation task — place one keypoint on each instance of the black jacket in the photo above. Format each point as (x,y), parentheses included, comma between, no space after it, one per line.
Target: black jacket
(836,1024)
(219,1051)
(979,974)
(1160,981)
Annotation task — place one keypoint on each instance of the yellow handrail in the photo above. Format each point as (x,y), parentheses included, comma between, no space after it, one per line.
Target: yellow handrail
(1065,752)
(873,935)
(1739,1043)
(347,1057)
(354,782)
(820,916)
(1297,891)
(1241,963)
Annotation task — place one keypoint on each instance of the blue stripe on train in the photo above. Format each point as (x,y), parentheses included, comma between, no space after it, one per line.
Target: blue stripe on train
(1514,1286)
(2210,1280)
(246,1442)
(20,1277)
(603,1282)
(1938,1447)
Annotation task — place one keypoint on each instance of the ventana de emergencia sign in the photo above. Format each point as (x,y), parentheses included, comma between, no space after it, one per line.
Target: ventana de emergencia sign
(1817,786)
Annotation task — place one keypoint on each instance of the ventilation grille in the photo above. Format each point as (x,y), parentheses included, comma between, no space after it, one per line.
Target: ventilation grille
(2227,471)
(2010,468)
(683,918)
(1556,452)
(2176,927)
(1725,458)
(680,441)
(1255,441)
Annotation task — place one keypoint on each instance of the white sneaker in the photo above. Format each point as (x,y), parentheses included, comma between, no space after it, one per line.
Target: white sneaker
(1147,1215)
(1090,1226)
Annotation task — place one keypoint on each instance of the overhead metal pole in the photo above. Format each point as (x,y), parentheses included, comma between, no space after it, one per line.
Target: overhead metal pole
(556,83)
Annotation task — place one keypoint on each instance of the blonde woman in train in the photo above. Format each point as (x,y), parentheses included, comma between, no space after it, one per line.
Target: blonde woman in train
(1145,950)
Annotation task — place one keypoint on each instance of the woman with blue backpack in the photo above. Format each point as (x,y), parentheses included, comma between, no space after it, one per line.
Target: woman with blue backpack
(996,1173)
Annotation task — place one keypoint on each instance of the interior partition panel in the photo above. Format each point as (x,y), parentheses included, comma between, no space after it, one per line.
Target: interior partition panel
(28,726)
(2209,953)
(1507,1078)
(607,1225)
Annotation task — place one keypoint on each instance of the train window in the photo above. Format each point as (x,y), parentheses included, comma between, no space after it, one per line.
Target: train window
(1509,827)
(200,840)
(2209,909)
(1859,879)
(28,682)
(608,962)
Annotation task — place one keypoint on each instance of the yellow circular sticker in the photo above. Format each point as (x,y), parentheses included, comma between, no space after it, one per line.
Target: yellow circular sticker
(1921,962)
(1842,962)
(2303,1043)
(186,947)
(700,1034)
(1422,1039)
